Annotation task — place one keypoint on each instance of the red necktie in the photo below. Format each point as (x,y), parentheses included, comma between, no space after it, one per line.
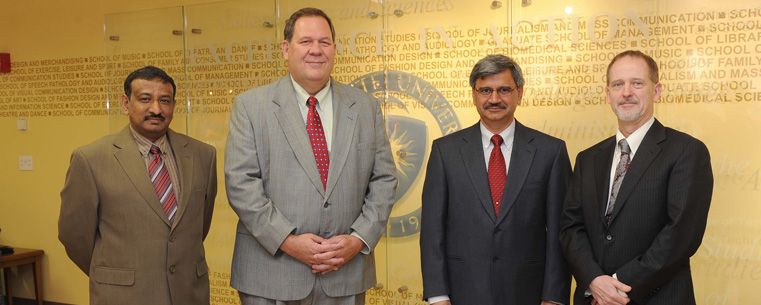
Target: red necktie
(317,137)
(497,172)
(162,183)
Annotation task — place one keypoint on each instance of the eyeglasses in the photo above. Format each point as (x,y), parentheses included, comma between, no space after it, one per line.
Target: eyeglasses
(487,92)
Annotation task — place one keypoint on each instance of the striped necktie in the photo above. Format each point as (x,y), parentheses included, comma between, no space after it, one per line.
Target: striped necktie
(162,183)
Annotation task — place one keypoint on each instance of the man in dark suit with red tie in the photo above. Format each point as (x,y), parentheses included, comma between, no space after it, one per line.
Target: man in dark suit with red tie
(492,198)
(638,203)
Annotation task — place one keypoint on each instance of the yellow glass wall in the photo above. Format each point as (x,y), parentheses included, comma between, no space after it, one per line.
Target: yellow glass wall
(416,56)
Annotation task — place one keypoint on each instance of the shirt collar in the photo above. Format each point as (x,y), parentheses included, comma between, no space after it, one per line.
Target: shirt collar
(302,95)
(144,145)
(507,135)
(635,139)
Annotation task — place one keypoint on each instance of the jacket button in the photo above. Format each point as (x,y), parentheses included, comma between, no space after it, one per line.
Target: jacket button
(171,269)
(497,230)
(171,238)
(608,237)
(495,258)
(326,205)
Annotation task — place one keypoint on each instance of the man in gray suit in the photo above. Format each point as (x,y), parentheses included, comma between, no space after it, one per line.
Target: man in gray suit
(492,198)
(638,203)
(310,174)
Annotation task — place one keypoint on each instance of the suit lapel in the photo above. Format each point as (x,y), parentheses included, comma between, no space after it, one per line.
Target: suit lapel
(646,153)
(520,164)
(289,117)
(182,155)
(472,154)
(602,163)
(133,165)
(344,125)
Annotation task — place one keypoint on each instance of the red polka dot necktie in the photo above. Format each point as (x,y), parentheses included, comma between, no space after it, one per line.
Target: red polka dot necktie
(162,183)
(317,137)
(497,172)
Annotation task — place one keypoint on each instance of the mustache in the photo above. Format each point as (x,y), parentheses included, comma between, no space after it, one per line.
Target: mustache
(497,105)
(154,116)
(627,100)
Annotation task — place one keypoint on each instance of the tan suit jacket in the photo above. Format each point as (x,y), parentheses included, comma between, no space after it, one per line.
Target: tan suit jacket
(114,229)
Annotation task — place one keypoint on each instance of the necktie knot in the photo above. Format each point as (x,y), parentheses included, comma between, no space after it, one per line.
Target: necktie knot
(497,140)
(154,150)
(624,146)
(312,102)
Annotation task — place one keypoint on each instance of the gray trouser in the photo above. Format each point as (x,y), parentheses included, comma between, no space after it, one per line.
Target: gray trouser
(316,297)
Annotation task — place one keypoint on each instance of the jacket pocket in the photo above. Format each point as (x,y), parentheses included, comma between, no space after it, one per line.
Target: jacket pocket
(201,268)
(454,257)
(198,193)
(113,276)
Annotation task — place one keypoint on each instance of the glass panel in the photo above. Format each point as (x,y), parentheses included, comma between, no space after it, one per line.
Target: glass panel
(565,65)
(231,47)
(711,75)
(359,54)
(431,46)
(136,39)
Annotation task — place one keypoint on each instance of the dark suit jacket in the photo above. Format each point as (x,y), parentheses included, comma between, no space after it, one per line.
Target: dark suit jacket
(114,229)
(476,257)
(657,223)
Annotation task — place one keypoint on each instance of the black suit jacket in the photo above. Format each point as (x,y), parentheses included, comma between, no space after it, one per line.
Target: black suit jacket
(657,223)
(477,257)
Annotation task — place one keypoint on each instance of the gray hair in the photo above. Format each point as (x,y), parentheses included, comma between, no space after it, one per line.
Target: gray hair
(495,64)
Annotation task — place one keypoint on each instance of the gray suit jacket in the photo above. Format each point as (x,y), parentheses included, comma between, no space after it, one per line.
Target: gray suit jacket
(114,229)
(274,186)
(657,223)
(477,257)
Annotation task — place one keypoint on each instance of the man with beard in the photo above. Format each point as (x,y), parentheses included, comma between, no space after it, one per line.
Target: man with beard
(137,205)
(638,203)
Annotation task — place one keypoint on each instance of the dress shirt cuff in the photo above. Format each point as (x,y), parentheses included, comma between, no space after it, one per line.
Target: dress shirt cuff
(366,248)
(619,291)
(438,299)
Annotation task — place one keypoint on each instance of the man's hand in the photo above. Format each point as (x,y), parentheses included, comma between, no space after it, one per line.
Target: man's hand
(446,302)
(350,246)
(306,247)
(547,303)
(605,290)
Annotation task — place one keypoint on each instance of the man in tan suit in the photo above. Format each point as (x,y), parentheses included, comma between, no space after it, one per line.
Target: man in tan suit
(137,205)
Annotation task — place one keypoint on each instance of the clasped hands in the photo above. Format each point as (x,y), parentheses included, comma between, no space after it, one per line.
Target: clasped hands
(607,290)
(322,255)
